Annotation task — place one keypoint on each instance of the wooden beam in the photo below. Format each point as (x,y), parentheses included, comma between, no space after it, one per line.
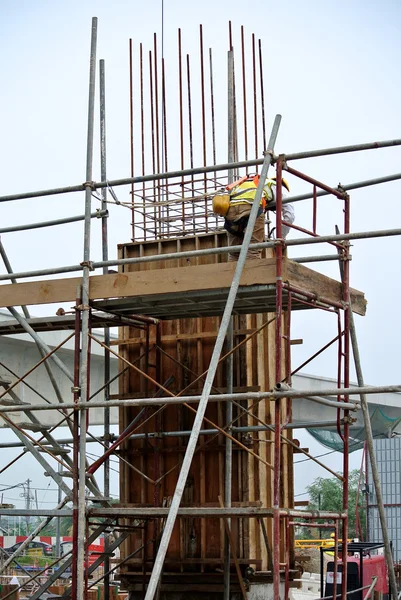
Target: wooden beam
(176,280)
(324,287)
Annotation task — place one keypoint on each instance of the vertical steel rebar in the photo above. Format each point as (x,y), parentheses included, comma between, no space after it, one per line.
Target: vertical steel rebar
(191,150)
(141,92)
(225,321)
(262,95)
(230,122)
(182,162)
(131,127)
(164,146)
(202,68)
(158,222)
(255,98)
(212,108)
(84,370)
(105,257)
(156,98)
(244,93)
(152,124)
(212,115)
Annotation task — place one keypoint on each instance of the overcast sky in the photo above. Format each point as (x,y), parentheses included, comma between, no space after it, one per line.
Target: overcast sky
(331,70)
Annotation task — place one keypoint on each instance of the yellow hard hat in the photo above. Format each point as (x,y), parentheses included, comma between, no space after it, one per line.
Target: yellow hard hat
(221,204)
(284,182)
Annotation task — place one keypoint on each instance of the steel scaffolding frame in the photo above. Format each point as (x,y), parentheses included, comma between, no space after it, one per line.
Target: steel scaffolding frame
(82,403)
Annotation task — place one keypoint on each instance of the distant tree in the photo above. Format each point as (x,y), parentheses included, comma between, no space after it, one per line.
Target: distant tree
(327,494)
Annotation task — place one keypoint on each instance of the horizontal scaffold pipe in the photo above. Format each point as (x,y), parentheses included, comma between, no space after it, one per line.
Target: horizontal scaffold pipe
(342,149)
(190,512)
(353,391)
(347,187)
(198,170)
(207,251)
(215,512)
(158,434)
(95,215)
(41,512)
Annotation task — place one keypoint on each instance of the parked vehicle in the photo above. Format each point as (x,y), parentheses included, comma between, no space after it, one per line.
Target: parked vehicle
(33,549)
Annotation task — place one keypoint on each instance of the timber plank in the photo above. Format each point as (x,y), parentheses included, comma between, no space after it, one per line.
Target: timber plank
(176,280)
(313,282)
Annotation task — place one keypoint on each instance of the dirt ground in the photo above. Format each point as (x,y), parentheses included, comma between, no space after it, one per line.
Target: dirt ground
(309,559)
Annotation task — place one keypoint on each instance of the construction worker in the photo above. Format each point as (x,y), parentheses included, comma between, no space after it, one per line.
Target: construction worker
(242,193)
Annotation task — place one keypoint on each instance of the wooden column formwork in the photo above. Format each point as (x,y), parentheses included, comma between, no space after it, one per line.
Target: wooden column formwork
(184,351)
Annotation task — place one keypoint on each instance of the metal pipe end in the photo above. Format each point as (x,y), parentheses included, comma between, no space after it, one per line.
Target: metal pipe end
(282,387)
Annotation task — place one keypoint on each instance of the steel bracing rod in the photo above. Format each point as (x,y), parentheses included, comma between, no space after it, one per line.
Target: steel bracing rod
(34,577)
(286,440)
(40,343)
(209,251)
(199,170)
(41,361)
(372,456)
(47,435)
(96,215)
(65,565)
(370,588)
(101,558)
(27,316)
(119,564)
(35,452)
(191,447)
(84,361)
(30,537)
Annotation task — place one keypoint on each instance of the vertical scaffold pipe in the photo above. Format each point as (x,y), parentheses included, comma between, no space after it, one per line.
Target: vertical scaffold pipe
(84,367)
(105,255)
(278,377)
(371,450)
(225,321)
(229,405)
(347,311)
(228,470)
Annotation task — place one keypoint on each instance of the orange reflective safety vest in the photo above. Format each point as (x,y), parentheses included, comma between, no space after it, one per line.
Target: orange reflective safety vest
(243,191)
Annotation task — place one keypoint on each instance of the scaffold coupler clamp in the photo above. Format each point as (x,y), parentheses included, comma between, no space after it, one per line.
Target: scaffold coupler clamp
(343,191)
(282,387)
(350,420)
(90,184)
(273,157)
(283,160)
(88,264)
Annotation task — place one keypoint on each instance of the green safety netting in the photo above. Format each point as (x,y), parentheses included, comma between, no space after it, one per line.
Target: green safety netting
(382,427)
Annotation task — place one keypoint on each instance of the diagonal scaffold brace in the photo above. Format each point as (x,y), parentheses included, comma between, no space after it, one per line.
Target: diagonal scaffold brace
(225,321)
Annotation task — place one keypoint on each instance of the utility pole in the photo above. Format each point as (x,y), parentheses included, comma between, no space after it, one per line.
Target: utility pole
(28,497)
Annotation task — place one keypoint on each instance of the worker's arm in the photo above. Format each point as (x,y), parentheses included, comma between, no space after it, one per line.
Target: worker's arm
(288,213)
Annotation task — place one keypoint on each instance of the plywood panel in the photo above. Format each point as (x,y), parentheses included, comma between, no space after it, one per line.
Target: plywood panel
(187,346)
